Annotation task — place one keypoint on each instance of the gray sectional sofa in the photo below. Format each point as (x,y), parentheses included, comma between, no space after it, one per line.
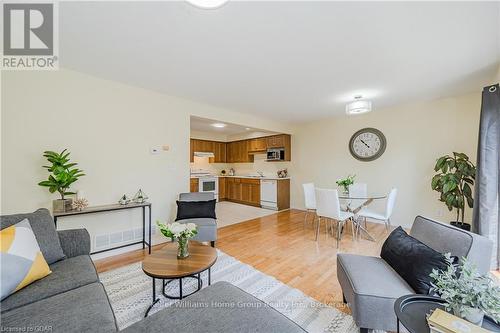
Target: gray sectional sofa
(370,286)
(72,299)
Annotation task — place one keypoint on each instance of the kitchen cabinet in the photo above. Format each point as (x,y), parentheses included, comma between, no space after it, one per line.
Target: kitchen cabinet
(206,146)
(222,188)
(281,141)
(243,190)
(238,152)
(219,150)
(241,151)
(194,185)
(257,145)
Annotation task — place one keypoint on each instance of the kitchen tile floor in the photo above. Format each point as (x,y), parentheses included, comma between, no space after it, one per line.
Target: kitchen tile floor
(231,213)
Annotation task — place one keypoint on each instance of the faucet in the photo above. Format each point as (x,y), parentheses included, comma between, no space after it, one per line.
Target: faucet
(260,173)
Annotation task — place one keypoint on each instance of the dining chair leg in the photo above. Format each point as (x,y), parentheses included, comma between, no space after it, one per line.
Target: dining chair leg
(339,231)
(305,218)
(317,228)
(352,227)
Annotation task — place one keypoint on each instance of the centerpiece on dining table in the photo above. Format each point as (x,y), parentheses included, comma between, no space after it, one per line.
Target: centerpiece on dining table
(180,232)
(345,183)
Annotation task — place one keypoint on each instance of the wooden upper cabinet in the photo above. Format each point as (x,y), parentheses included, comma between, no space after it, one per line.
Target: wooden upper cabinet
(206,146)
(276,141)
(257,145)
(238,152)
(241,151)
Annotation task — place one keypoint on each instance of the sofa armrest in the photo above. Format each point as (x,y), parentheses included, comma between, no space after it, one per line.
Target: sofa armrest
(74,242)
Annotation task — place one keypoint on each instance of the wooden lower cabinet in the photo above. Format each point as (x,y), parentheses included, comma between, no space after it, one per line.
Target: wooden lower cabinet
(194,185)
(243,190)
(222,188)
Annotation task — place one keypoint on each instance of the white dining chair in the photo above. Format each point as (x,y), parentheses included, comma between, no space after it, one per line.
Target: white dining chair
(357,190)
(385,216)
(309,200)
(328,208)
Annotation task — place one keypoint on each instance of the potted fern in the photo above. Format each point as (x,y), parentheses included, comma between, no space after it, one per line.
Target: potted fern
(454,181)
(62,174)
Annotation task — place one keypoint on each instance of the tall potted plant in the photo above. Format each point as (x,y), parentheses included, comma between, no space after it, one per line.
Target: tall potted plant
(454,181)
(62,175)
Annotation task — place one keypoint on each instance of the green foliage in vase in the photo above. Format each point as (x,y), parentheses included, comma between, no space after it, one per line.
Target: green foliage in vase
(462,287)
(454,181)
(344,183)
(62,173)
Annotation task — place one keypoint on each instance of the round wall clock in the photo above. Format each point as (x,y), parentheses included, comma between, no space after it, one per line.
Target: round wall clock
(367,144)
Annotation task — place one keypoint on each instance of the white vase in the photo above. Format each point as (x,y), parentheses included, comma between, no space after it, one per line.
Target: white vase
(474,316)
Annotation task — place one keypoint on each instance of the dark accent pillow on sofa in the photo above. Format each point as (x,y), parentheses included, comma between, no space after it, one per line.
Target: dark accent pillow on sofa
(412,259)
(195,209)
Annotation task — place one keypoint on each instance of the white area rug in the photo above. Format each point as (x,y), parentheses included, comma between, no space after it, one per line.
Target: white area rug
(129,291)
(231,213)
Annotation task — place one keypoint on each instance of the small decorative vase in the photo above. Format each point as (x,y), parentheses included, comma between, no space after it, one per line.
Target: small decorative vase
(474,316)
(183,248)
(62,205)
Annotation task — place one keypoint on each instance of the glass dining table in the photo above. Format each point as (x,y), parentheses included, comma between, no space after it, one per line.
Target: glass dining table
(362,201)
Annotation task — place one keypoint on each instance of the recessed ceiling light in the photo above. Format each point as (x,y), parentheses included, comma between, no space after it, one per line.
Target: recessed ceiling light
(358,106)
(248,128)
(219,125)
(208,4)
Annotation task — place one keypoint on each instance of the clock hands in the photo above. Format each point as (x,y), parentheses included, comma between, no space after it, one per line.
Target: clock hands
(364,143)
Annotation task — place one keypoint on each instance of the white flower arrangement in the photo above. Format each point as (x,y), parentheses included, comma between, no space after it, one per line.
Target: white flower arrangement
(178,230)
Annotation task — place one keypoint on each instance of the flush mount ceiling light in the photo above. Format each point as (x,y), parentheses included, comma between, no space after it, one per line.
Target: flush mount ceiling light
(208,4)
(358,106)
(219,125)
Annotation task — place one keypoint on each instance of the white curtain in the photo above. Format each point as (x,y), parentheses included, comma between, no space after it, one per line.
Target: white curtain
(486,199)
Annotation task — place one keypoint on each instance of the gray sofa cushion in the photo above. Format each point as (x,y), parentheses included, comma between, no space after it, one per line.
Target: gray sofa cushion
(207,229)
(207,317)
(44,229)
(371,287)
(84,309)
(66,275)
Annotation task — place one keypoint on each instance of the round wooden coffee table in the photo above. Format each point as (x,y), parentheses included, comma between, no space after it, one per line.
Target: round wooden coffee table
(163,264)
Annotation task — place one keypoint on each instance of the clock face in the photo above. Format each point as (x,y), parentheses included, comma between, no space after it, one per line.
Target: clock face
(367,144)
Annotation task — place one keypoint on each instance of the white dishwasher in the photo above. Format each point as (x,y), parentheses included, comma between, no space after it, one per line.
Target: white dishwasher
(269,194)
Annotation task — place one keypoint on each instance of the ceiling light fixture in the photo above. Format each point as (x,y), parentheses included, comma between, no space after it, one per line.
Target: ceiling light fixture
(248,128)
(219,125)
(208,4)
(358,106)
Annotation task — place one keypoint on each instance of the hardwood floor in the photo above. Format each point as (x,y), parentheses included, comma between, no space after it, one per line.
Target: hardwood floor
(280,246)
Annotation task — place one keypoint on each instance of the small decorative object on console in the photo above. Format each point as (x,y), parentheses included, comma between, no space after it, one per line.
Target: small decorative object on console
(80,204)
(223,172)
(124,200)
(140,197)
(180,232)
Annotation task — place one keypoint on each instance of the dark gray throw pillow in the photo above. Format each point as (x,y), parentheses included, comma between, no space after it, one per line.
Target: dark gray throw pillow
(412,259)
(44,229)
(195,209)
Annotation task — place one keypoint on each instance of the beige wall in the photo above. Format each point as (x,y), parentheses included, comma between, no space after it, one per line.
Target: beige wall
(109,128)
(417,135)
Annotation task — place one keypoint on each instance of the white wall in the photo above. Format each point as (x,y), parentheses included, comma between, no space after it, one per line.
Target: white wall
(417,135)
(109,128)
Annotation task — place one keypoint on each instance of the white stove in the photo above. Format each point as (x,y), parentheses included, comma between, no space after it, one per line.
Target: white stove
(207,182)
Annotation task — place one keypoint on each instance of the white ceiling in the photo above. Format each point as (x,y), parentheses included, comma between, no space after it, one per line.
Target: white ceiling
(205,125)
(294,61)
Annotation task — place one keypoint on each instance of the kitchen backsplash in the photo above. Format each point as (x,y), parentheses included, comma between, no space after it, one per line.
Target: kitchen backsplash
(259,164)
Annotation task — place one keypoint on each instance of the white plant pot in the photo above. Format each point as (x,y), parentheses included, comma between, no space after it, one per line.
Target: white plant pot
(474,316)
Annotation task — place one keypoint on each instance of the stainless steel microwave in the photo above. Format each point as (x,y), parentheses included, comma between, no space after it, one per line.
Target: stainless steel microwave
(276,154)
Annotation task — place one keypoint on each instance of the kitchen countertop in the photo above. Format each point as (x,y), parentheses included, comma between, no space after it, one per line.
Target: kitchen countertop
(248,177)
